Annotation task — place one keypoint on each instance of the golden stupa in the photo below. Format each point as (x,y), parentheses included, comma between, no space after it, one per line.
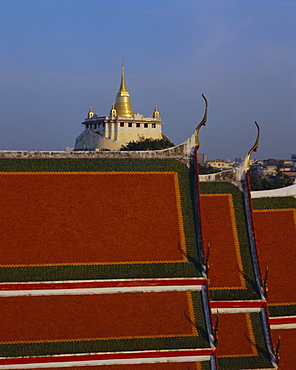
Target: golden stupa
(122,104)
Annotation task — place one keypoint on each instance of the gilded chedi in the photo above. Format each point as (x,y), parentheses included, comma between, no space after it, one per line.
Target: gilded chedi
(120,127)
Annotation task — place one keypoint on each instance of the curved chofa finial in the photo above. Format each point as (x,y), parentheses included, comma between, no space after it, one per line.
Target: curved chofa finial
(254,147)
(202,123)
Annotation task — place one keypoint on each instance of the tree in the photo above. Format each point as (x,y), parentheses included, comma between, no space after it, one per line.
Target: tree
(255,182)
(278,181)
(206,169)
(281,179)
(148,144)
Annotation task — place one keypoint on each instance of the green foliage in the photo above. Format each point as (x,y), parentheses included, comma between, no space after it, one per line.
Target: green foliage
(259,184)
(278,181)
(281,179)
(148,144)
(206,169)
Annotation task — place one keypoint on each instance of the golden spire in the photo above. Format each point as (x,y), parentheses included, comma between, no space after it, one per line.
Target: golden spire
(122,84)
(90,113)
(122,104)
(156,112)
(113,112)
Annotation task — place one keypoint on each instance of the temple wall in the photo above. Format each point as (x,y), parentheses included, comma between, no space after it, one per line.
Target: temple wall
(288,191)
(180,152)
(133,134)
(234,175)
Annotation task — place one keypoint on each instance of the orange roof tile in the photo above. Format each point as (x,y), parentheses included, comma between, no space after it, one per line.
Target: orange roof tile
(236,336)
(241,341)
(276,235)
(219,229)
(95,317)
(287,347)
(50,218)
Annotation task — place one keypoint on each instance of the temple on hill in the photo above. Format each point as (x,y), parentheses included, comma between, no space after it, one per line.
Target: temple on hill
(120,127)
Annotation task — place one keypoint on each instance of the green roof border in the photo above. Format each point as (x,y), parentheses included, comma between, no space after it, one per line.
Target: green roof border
(273,203)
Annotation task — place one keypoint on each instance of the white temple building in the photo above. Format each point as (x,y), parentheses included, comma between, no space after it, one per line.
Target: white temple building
(120,127)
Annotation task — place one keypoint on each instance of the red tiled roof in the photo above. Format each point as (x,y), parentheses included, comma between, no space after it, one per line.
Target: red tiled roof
(235,335)
(121,217)
(287,347)
(276,236)
(219,229)
(155,366)
(97,316)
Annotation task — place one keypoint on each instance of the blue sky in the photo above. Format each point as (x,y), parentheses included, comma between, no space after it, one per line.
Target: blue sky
(58,57)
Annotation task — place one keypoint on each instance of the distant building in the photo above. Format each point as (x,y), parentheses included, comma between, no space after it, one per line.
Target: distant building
(202,159)
(268,171)
(120,127)
(239,160)
(220,164)
(268,168)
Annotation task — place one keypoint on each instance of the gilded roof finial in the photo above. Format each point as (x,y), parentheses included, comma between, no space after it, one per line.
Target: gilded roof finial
(254,147)
(277,349)
(113,112)
(155,112)
(90,113)
(122,84)
(122,104)
(202,123)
